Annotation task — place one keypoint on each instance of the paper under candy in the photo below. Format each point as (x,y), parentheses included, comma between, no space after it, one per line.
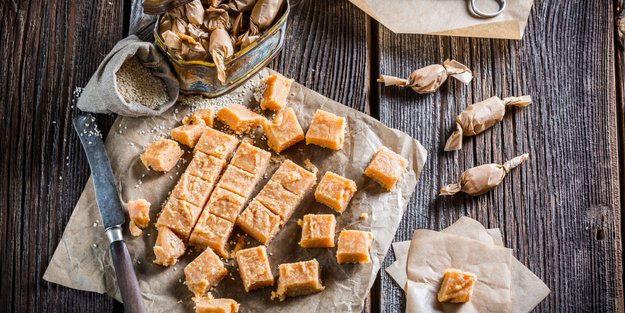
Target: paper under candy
(428,79)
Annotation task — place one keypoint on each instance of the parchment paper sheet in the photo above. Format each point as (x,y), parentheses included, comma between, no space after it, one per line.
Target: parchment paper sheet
(449,17)
(82,259)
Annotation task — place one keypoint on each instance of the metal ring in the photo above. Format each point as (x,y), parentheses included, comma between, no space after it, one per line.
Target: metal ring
(475,11)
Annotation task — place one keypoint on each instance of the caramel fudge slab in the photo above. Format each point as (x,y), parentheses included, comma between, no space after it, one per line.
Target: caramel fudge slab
(204,272)
(210,305)
(198,117)
(139,213)
(456,287)
(353,246)
(212,231)
(386,167)
(188,135)
(238,181)
(335,191)
(192,189)
(180,216)
(277,92)
(318,231)
(168,248)
(205,166)
(284,131)
(162,155)
(254,268)
(278,200)
(259,222)
(298,279)
(251,159)
(239,118)
(216,143)
(326,130)
(225,204)
(294,178)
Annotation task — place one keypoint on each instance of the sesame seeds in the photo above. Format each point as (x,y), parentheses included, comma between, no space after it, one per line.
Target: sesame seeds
(137,85)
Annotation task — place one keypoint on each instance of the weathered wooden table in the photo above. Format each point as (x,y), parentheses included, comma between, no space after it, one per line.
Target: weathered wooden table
(560,212)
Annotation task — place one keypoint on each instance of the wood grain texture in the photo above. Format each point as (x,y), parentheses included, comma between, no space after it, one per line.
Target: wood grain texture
(561,211)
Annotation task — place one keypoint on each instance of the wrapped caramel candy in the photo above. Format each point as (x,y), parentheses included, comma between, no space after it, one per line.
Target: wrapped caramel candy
(428,79)
(194,12)
(220,48)
(484,178)
(217,17)
(481,116)
(263,14)
(241,5)
(171,40)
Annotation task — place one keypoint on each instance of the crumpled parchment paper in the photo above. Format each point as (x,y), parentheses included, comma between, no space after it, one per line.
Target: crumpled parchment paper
(82,259)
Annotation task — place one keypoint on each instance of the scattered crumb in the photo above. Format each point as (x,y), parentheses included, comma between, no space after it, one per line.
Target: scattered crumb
(364,216)
(310,166)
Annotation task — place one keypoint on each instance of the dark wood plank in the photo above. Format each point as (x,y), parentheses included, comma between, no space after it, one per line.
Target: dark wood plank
(560,212)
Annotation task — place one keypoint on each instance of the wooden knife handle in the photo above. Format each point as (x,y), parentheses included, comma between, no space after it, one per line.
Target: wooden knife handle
(126,278)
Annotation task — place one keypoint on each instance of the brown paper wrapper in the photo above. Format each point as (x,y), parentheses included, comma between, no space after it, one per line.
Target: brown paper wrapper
(82,259)
(428,79)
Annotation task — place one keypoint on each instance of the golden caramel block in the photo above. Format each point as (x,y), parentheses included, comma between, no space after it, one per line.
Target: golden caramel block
(198,117)
(212,231)
(179,216)
(318,231)
(278,200)
(298,279)
(139,213)
(225,204)
(386,167)
(326,130)
(238,181)
(276,93)
(254,268)
(210,305)
(456,287)
(188,135)
(353,246)
(216,143)
(168,247)
(205,167)
(251,159)
(239,118)
(294,178)
(259,222)
(192,189)
(162,155)
(284,131)
(335,191)
(204,272)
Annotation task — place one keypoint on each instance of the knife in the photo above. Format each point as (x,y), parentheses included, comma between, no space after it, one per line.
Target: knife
(111,211)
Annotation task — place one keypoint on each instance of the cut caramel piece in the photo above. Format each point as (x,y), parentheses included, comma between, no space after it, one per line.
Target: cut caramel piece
(216,143)
(225,204)
(239,118)
(162,155)
(284,131)
(353,246)
(251,159)
(205,167)
(278,200)
(210,305)
(318,231)
(386,167)
(212,231)
(238,181)
(168,247)
(276,93)
(335,191)
(188,135)
(326,130)
(139,213)
(192,189)
(199,116)
(254,268)
(294,178)
(179,216)
(298,279)
(205,271)
(456,287)
(259,222)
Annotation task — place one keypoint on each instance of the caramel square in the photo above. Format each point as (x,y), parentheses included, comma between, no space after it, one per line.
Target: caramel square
(326,130)
(276,93)
(179,216)
(298,279)
(204,272)
(212,231)
(216,143)
(199,117)
(225,204)
(139,213)
(251,159)
(294,178)
(456,287)
(188,135)
(168,247)
(284,131)
(239,118)
(238,181)
(353,246)
(210,305)
(335,191)
(318,231)
(259,222)
(192,189)
(254,268)
(205,166)
(386,167)
(162,155)
(278,200)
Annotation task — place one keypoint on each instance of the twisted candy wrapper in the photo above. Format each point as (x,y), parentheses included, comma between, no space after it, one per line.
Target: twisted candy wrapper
(428,79)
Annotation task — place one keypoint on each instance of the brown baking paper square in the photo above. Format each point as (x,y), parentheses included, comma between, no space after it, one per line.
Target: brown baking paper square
(82,259)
